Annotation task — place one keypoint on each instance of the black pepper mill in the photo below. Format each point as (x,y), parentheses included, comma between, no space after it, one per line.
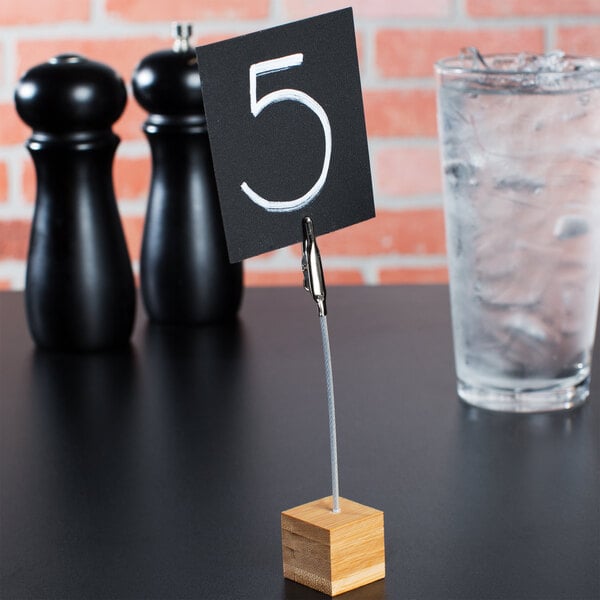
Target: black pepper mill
(79,292)
(186,276)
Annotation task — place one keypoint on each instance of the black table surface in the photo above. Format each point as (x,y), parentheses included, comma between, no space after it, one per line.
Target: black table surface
(160,471)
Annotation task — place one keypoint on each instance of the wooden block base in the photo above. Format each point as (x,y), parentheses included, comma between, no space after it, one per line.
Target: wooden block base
(329,552)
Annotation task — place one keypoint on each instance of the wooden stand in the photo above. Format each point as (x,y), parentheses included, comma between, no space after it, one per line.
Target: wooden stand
(333,552)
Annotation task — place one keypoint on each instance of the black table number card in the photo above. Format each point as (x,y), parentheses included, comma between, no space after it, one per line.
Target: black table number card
(287,132)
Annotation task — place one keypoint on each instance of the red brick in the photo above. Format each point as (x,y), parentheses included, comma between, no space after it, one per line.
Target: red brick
(579,40)
(134,232)
(521,8)
(414,275)
(13,12)
(429,45)
(400,112)
(121,54)
(272,278)
(370,8)
(414,231)
(174,10)
(28,182)
(129,126)
(344,277)
(294,278)
(408,171)
(294,250)
(132,178)
(3,182)
(213,37)
(12,129)
(14,239)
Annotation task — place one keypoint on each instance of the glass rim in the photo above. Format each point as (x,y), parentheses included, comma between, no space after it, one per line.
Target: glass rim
(589,64)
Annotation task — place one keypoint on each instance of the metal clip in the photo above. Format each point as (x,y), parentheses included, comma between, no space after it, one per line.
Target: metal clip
(314,282)
(181,33)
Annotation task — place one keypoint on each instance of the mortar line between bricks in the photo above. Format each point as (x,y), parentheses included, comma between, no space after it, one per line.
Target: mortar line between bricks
(276,11)
(468,23)
(348,262)
(370,275)
(125,29)
(406,260)
(16,200)
(460,10)
(381,143)
(398,204)
(215,24)
(17,211)
(98,12)
(133,148)
(134,207)
(550,38)
(13,270)
(400,83)
(16,150)
(9,263)
(369,55)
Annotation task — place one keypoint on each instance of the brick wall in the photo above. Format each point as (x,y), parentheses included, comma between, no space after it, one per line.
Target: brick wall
(399,40)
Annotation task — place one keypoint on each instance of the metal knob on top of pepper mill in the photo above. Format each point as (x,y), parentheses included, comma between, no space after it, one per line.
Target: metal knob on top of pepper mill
(185,273)
(79,292)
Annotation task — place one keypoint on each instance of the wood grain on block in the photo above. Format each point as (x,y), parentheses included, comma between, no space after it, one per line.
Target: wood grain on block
(333,552)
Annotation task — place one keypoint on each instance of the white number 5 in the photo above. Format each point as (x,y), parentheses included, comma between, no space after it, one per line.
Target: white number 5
(257,106)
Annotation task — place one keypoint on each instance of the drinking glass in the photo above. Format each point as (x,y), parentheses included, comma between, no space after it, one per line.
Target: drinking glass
(520,147)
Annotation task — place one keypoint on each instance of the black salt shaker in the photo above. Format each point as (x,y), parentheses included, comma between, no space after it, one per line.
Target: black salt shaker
(79,292)
(186,277)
